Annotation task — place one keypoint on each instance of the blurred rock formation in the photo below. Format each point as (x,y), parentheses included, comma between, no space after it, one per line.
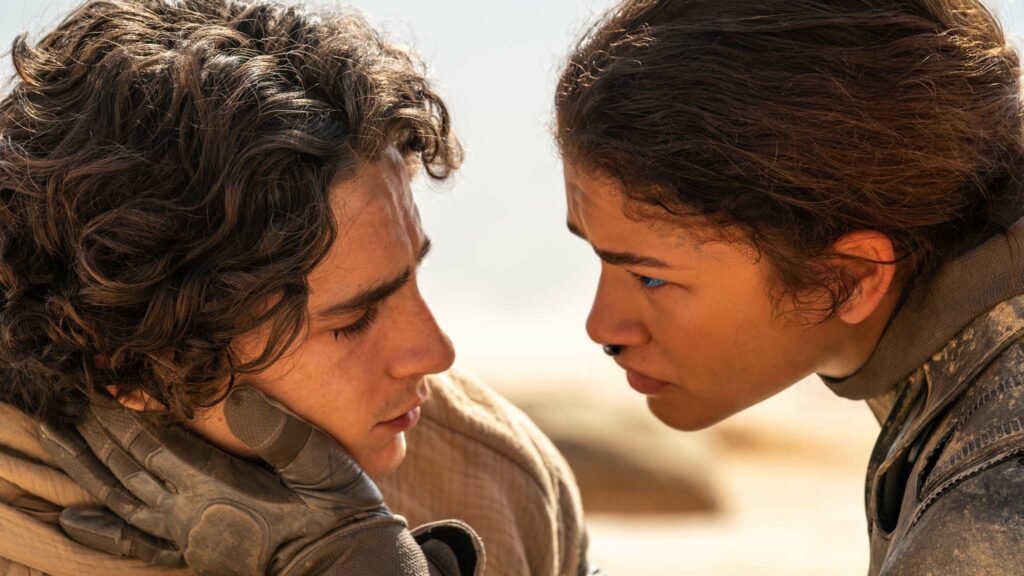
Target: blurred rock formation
(625,460)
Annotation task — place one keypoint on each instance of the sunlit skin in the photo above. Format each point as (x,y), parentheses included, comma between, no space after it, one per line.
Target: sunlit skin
(702,331)
(359,368)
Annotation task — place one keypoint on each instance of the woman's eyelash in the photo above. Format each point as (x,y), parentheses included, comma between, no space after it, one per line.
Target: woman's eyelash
(359,326)
(647,282)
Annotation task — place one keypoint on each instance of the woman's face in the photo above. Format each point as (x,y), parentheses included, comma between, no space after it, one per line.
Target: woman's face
(701,334)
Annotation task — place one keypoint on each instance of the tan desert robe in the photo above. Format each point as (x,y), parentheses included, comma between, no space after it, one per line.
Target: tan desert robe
(473,456)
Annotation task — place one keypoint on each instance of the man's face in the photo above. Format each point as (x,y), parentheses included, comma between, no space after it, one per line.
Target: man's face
(359,373)
(700,333)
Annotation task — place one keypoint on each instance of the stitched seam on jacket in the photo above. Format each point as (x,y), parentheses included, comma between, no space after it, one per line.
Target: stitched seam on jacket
(944,470)
(965,376)
(959,478)
(987,396)
(987,438)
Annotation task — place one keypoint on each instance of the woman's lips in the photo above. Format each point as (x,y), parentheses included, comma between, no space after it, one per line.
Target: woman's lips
(403,423)
(644,384)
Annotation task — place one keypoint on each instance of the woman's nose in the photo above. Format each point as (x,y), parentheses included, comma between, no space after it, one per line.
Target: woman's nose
(613,319)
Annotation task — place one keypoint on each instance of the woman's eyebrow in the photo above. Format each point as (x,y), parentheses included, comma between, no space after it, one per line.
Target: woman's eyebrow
(378,292)
(619,258)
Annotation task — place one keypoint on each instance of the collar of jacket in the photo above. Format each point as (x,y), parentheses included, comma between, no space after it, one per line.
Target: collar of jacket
(934,314)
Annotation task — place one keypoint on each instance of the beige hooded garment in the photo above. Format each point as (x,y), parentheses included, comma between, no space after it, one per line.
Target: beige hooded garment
(473,456)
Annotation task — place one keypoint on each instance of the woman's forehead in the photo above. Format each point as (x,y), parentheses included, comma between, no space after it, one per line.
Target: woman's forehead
(598,205)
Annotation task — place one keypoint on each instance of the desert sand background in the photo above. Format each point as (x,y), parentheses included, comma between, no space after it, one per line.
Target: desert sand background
(776,490)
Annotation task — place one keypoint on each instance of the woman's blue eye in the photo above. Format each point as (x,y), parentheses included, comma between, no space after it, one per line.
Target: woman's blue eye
(648,282)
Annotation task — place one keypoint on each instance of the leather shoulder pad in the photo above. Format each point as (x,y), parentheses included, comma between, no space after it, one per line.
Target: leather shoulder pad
(975,528)
(986,427)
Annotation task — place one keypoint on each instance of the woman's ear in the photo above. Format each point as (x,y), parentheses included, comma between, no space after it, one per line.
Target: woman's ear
(867,258)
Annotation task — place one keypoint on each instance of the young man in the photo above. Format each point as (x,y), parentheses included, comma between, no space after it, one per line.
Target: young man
(206,204)
(782,188)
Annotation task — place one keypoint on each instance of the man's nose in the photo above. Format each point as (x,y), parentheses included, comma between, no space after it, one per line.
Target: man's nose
(424,348)
(613,319)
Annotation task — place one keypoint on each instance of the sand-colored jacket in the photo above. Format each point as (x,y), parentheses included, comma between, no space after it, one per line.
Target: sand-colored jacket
(473,456)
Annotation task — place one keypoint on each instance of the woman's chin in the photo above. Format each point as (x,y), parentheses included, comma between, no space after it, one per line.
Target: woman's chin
(681,414)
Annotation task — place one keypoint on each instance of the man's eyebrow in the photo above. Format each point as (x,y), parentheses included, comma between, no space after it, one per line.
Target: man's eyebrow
(378,292)
(619,258)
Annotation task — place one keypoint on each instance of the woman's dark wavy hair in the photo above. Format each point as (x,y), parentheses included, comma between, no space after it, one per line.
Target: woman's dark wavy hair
(164,177)
(795,122)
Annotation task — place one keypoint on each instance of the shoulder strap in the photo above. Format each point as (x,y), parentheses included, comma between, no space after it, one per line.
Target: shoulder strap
(954,367)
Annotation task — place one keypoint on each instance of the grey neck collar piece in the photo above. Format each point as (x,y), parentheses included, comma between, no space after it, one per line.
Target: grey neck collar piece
(934,314)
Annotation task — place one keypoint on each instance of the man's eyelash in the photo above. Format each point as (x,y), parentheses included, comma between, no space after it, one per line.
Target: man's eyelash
(647,282)
(359,326)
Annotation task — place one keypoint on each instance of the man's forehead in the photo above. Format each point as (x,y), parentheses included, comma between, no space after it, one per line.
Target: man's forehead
(380,187)
(378,232)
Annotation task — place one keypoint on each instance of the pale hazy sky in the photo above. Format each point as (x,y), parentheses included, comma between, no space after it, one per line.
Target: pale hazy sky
(506,280)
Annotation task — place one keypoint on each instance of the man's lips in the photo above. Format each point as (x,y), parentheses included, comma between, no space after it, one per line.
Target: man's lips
(402,423)
(407,419)
(643,383)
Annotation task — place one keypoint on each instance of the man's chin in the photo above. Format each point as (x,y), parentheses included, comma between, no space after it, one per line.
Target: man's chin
(383,461)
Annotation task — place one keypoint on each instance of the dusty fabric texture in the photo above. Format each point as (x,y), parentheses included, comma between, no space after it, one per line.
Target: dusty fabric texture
(473,457)
(946,476)
(490,467)
(946,381)
(932,315)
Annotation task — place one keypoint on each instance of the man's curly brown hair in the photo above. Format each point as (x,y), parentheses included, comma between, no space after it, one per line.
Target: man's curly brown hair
(164,177)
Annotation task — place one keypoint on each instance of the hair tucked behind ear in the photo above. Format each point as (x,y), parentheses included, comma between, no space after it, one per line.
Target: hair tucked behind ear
(164,177)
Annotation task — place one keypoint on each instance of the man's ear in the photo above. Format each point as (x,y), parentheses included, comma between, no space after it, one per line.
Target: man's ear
(868,260)
(136,400)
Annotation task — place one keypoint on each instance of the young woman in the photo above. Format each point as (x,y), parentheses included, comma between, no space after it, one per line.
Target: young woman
(791,187)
